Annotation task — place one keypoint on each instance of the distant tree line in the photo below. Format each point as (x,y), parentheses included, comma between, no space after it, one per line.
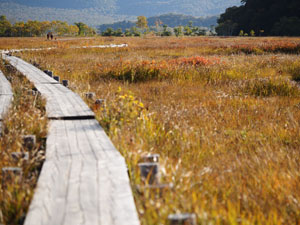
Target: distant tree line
(257,17)
(160,29)
(38,28)
(171,19)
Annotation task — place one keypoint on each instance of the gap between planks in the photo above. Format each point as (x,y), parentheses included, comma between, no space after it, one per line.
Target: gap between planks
(84,178)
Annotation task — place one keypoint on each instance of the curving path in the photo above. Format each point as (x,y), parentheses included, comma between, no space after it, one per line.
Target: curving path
(50,48)
(84,178)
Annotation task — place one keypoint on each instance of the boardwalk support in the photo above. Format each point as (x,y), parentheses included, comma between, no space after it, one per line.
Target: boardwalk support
(84,178)
(149,172)
(29,142)
(65,83)
(9,174)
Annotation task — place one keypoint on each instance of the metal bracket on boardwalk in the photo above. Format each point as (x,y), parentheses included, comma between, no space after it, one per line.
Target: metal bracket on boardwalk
(84,178)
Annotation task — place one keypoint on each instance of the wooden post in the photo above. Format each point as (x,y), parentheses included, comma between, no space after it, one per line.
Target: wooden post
(50,73)
(65,83)
(36,64)
(8,173)
(29,142)
(149,172)
(182,219)
(20,156)
(99,102)
(33,92)
(56,78)
(152,158)
(90,95)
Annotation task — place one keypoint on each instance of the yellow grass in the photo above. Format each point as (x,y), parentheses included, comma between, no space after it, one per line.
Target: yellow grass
(25,117)
(222,113)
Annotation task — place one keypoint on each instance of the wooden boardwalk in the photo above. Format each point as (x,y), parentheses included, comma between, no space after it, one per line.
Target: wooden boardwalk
(62,103)
(84,178)
(6,96)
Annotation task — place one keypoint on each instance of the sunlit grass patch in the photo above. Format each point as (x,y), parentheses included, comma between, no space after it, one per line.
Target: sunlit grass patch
(265,87)
(25,117)
(294,70)
(227,132)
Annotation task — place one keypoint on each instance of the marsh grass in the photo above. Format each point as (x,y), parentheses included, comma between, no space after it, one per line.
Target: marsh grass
(228,132)
(26,116)
(271,87)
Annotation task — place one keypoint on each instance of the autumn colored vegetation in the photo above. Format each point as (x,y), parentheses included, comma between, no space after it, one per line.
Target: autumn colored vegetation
(34,28)
(25,117)
(223,113)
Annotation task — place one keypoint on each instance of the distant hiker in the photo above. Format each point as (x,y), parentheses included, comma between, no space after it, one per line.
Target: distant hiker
(48,36)
(51,35)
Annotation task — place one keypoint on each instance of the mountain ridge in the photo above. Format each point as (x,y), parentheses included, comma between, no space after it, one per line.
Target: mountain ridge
(170,19)
(96,12)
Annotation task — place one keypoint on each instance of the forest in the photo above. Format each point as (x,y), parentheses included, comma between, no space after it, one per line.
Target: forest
(263,18)
(40,28)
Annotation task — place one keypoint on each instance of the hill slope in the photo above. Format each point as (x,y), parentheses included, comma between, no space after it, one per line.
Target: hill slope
(106,11)
(172,20)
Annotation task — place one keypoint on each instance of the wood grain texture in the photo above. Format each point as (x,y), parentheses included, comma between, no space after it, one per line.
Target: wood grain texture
(5,87)
(62,103)
(32,73)
(84,179)
(6,95)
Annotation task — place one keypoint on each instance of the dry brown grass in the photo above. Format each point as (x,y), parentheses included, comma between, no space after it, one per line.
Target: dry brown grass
(25,117)
(228,133)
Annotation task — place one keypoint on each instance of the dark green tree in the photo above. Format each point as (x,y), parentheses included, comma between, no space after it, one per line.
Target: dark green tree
(166,31)
(5,27)
(109,32)
(274,17)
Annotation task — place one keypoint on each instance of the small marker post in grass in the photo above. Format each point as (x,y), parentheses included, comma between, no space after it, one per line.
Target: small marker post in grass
(90,95)
(149,172)
(29,142)
(10,173)
(182,219)
(20,156)
(99,103)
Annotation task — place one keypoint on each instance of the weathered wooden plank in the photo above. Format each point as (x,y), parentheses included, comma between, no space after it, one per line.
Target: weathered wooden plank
(5,101)
(32,73)
(84,179)
(84,139)
(5,87)
(6,95)
(67,106)
(62,103)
